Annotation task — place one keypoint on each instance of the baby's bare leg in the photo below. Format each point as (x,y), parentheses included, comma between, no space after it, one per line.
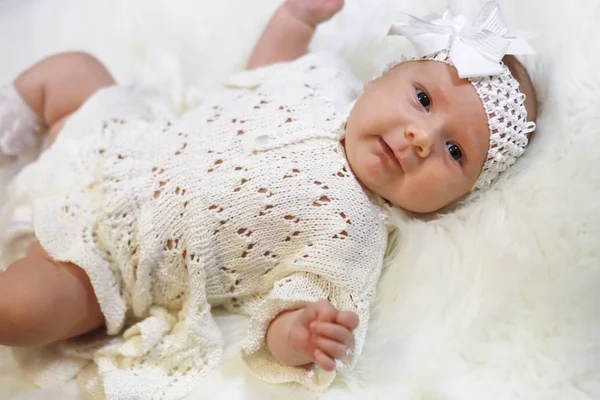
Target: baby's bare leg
(43,301)
(58,85)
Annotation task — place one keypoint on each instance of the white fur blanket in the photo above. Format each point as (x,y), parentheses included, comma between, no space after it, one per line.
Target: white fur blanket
(499,300)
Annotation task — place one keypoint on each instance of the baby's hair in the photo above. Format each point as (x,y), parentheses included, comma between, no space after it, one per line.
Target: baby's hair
(519,72)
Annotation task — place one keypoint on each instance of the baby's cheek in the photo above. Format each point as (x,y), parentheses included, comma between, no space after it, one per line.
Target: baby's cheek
(362,162)
(425,195)
(374,166)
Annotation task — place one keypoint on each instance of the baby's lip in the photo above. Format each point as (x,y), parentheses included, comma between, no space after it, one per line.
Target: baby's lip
(390,153)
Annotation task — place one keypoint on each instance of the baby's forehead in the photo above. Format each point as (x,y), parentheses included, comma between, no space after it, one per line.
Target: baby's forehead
(440,81)
(434,71)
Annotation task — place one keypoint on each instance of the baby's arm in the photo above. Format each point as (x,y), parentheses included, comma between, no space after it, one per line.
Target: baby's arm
(290,30)
(58,85)
(317,333)
(43,97)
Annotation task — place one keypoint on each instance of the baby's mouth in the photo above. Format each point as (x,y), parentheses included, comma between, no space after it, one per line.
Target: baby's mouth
(389,152)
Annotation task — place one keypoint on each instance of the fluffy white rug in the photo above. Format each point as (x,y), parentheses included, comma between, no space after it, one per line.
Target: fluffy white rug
(499,300)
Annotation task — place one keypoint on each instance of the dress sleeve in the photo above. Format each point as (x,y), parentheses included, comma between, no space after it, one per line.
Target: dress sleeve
(291,293)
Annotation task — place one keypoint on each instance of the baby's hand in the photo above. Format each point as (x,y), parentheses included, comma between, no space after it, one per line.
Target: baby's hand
(323,333)
(314,12)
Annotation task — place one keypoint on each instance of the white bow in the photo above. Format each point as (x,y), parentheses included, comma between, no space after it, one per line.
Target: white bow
(475,50)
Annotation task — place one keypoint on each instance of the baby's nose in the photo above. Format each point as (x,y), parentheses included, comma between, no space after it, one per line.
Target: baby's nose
(421,141)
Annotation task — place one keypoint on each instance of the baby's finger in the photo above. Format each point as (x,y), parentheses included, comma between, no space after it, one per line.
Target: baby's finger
(324,361)
(331,331)
(307,315)
(330,347)
(326,311)
(347,319)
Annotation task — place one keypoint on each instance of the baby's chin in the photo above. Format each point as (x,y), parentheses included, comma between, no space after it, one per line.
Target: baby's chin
(409,200)
(421,204)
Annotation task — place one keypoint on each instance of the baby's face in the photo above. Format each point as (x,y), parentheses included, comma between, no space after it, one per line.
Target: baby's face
(418,136)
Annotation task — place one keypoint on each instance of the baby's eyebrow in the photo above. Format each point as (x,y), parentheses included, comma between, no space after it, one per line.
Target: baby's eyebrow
(434,90)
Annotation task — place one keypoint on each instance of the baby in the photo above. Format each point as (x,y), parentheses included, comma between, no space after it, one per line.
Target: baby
(268,199)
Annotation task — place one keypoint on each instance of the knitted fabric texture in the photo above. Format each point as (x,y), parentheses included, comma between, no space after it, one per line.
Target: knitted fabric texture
(246,202)
(504,106)
(20,128)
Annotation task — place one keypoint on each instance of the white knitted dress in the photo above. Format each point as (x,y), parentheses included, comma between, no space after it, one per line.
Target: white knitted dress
(247,201)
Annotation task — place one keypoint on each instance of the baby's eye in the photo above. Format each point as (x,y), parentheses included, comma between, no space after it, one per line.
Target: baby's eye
(454,151)
(423,99)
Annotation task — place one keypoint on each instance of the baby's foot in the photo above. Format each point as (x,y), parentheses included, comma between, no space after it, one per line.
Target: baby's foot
(314,12)
(21,130)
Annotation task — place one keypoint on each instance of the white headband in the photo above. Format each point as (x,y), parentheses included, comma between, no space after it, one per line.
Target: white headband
(476,51)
